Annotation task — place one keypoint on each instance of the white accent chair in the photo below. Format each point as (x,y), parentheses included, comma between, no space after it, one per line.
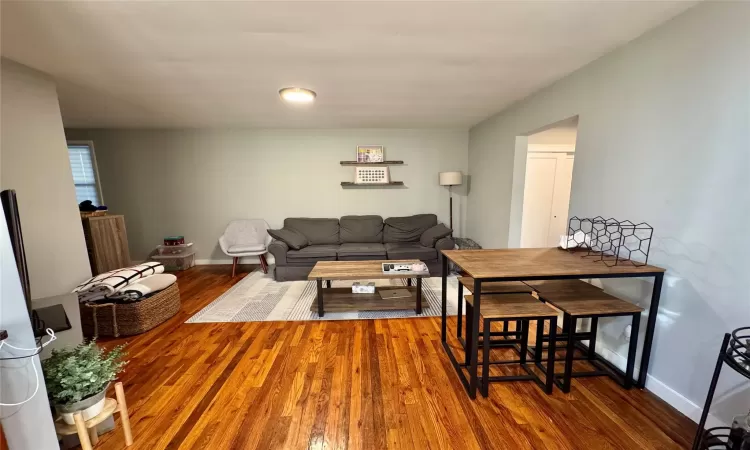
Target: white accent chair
(247,237)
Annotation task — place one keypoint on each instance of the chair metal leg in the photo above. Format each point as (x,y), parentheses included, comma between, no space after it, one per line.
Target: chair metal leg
(486,359)
(632,349)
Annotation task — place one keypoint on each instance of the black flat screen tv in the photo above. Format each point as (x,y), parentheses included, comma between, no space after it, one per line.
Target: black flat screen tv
(12,217)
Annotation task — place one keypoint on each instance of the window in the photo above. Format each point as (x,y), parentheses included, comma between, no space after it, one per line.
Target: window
(83,165)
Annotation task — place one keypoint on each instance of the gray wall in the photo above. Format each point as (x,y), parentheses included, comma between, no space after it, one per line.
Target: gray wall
(663,137)
(193,182)
(34,161)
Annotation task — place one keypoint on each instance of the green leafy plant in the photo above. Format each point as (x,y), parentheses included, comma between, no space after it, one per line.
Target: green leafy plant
(73,374)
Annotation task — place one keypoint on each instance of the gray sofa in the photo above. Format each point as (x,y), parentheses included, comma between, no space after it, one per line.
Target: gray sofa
(358,238)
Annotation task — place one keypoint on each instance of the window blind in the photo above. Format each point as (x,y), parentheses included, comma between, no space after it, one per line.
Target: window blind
(84,175)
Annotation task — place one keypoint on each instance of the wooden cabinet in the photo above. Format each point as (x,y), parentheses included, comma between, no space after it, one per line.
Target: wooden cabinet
(107,242)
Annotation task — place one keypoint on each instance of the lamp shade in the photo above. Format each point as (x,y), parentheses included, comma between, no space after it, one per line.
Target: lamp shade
(450,178)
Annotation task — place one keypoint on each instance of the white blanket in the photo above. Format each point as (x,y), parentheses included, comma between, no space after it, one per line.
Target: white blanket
(107,284)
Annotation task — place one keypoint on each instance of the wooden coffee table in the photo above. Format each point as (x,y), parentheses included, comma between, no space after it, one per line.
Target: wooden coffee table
(343,299)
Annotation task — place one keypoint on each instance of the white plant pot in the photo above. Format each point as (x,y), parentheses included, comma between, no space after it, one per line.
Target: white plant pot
(88,407)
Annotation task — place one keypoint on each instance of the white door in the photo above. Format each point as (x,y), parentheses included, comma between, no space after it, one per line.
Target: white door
(546,199)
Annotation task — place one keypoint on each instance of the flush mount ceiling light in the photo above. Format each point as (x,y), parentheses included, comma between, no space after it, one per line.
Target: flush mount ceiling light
(297,95)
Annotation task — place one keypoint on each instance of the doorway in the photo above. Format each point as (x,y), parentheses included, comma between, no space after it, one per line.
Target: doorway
(546,194)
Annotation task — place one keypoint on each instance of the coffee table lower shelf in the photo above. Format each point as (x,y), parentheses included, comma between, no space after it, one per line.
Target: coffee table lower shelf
(344,300)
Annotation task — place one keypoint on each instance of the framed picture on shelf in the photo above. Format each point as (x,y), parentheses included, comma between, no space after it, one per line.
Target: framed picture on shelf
(370,154)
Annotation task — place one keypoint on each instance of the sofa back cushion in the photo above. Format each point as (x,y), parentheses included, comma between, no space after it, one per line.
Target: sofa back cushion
(407,229)
(361,229)
(317,231)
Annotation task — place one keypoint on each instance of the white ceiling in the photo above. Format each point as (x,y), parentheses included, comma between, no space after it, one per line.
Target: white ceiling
(373,64)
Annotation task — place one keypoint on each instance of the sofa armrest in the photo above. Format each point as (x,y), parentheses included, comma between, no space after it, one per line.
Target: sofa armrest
(278,249)
(446,243)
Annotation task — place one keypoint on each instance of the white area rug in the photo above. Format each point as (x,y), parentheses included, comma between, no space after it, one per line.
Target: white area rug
(259,298)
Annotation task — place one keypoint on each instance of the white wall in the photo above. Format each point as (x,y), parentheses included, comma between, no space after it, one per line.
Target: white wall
(34,161)
(193,182)
(663,137)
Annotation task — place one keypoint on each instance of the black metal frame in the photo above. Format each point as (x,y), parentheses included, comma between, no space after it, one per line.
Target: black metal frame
(729,354)
(321,308)
(471,384)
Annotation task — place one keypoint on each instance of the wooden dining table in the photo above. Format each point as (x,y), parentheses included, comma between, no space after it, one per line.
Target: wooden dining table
(525,264)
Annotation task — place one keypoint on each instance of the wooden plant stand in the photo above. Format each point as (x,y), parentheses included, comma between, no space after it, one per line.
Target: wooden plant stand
(86,430)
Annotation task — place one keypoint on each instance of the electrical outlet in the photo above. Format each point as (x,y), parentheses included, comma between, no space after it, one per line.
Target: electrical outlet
(3,335)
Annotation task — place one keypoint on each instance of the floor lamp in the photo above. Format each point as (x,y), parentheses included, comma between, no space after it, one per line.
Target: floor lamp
(451,179)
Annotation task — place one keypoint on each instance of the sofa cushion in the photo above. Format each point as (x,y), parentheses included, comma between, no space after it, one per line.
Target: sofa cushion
(293,238)
(407,229)
(433,234)
(313,253)
(410,250)
(358,229)
(317,231)
(242,248)
(362,249)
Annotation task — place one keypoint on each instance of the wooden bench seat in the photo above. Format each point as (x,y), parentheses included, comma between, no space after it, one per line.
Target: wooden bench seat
(512,306)
(579,298)
(496,287)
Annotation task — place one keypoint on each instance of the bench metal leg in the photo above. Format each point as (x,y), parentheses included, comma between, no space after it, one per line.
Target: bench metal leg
(592,341)
(631,350)
(549,382)
(469,346)
(459,327)
(321,311)
(486,360)
(570,349)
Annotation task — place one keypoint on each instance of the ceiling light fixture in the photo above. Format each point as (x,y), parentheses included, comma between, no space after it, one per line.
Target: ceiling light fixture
(297,95)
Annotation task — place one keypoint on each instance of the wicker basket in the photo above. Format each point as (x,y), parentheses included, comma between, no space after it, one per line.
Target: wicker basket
(116,320)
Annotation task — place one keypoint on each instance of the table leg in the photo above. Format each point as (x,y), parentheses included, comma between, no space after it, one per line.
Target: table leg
(419,295)
(444,299)
(122,407)
(650,328)
(321,311)
(93,436)
(83,434)
(472,344)
(328,284)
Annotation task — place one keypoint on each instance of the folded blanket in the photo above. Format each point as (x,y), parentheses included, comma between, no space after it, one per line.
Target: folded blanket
(108,283)
(143,287)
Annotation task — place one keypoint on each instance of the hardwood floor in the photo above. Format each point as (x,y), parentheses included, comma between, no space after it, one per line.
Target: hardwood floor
(371,384)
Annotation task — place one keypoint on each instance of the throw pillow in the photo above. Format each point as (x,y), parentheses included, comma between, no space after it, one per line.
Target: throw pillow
(432,235)
(293,238)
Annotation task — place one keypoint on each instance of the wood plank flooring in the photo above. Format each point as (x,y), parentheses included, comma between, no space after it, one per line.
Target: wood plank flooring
(369,384)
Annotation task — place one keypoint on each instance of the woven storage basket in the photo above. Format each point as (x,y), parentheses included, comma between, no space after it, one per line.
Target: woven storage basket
(112,319)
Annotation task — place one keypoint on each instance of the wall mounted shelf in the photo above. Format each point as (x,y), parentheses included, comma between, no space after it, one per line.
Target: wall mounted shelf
(347,184)
(384,163)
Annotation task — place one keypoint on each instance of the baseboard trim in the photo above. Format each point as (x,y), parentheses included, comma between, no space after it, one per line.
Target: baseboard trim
(664,392)
(244,260)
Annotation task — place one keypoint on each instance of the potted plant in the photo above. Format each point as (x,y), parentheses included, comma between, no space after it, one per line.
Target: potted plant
(77,378)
